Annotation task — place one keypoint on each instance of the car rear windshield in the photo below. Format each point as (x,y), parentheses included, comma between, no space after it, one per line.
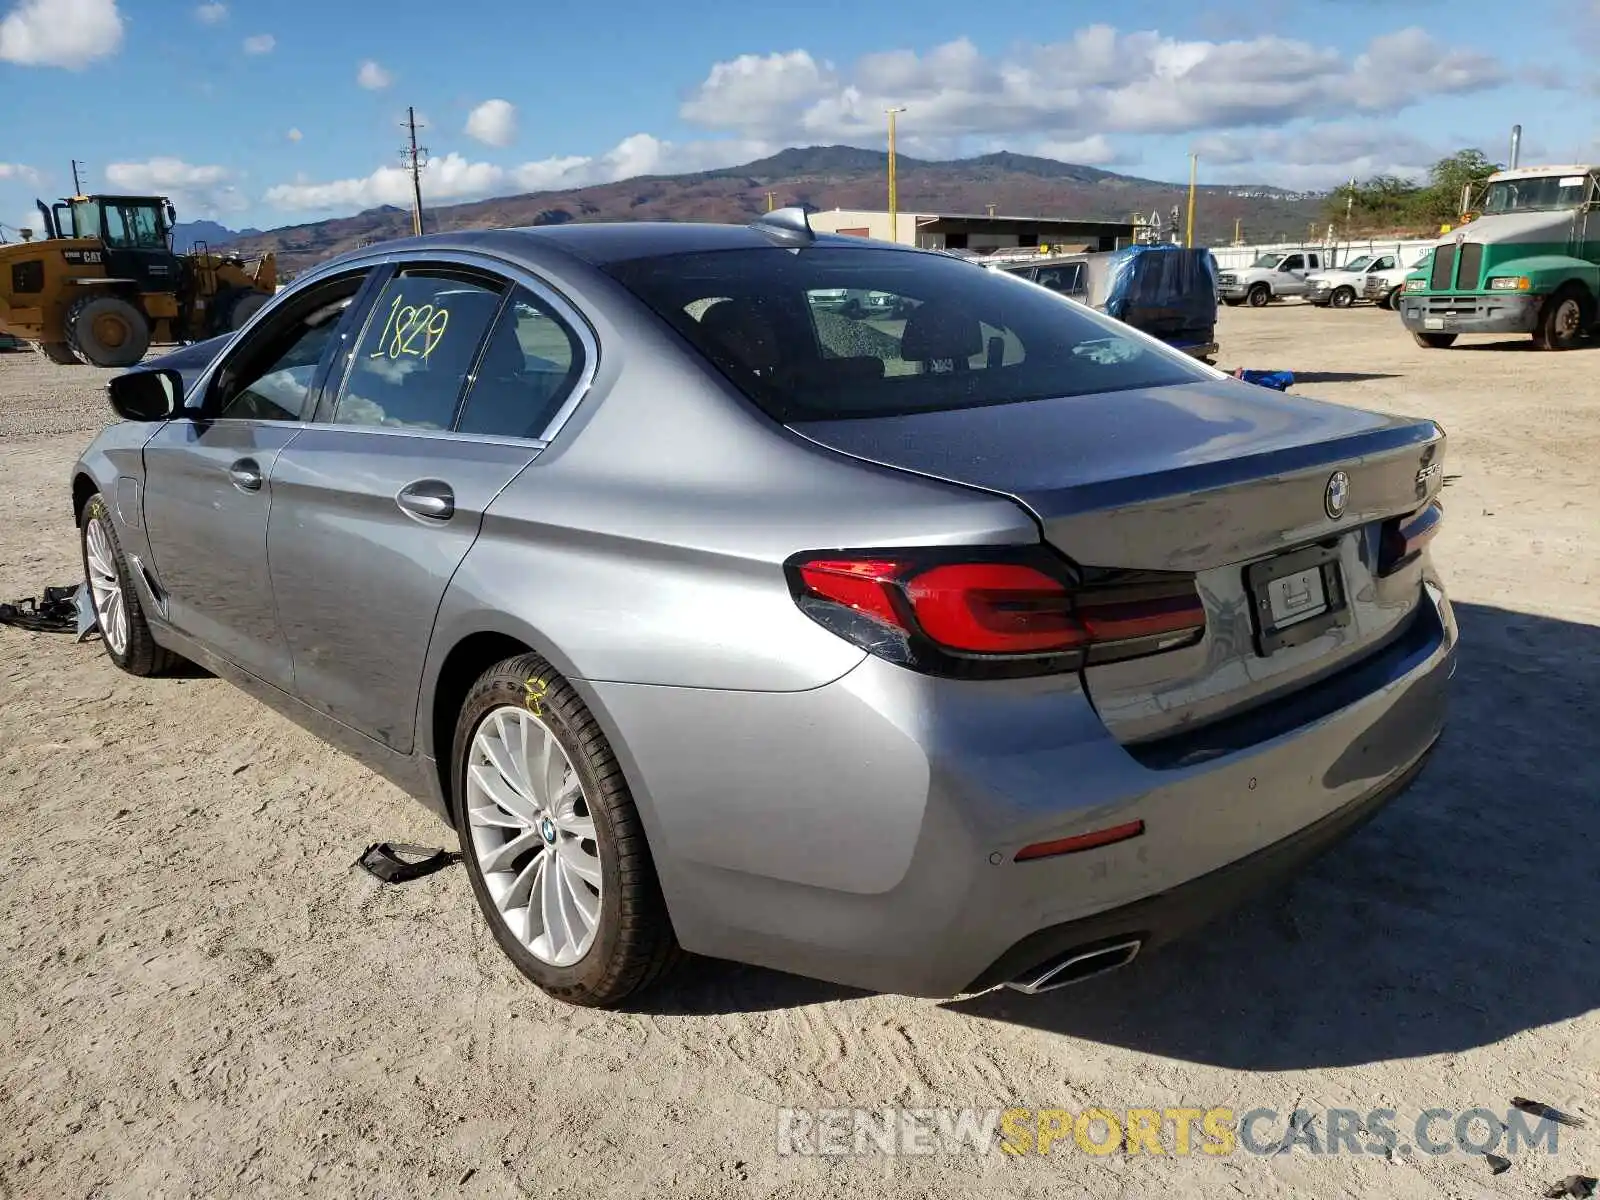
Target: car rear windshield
(826,333)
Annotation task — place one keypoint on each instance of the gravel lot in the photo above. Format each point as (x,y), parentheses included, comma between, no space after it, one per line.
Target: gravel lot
(199,996)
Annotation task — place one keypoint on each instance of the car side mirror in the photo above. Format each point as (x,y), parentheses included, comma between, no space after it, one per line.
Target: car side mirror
(146,395)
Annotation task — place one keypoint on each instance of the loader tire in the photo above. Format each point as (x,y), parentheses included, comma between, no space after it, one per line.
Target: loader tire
(107,331)
(241,308)
(59,353)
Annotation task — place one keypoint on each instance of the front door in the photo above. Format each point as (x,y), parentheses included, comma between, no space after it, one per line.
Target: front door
(1290,276)
(209,488)
(377,503)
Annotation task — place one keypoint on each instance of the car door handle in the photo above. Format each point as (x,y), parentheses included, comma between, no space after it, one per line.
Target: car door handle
(246,475)
(430,499)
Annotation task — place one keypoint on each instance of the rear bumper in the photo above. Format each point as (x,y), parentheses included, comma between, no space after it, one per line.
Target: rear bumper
(1489,313)
(1162,918)
(865,832)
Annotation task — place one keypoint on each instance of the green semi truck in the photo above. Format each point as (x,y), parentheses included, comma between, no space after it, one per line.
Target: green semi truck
(1528,261)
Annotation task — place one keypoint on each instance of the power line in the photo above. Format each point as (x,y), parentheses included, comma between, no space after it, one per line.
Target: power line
(414,158)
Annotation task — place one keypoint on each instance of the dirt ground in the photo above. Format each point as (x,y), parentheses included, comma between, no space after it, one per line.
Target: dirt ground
(199,996)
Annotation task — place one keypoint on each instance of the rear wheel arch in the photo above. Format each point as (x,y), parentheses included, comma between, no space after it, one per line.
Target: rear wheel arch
(467,660)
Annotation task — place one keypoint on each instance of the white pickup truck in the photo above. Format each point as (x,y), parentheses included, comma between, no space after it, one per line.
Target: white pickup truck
(1375,277)
(1271,277)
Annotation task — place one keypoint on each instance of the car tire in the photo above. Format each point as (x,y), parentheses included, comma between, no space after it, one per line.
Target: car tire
(583,846)
(1435,341)
(117,608)
(1391,300)
(1260,296)
(1563,319)
(107,331)
(1343,297)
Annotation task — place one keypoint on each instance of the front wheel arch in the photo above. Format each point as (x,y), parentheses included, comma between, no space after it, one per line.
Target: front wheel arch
(83,487)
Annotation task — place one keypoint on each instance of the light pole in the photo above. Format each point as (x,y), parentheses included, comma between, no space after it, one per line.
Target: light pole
(1194,170)
(894,199)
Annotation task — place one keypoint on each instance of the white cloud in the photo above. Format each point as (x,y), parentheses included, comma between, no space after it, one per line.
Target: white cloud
(373,77)
(294,135)
(494,123)
(1099,81)
(454,178)
(195,190)
(211,14)
(1095,150)
(1316,156)
(261,43)
(21,172)
(60,33)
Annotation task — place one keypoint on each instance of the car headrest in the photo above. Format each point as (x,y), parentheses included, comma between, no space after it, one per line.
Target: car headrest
(936,332)
(743,333)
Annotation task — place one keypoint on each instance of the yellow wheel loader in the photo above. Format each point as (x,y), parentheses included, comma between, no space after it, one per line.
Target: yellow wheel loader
(104,284)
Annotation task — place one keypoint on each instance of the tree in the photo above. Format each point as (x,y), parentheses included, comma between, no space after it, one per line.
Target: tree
(1446,179)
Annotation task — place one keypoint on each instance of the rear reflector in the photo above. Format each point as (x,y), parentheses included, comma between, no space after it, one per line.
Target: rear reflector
(1017,611)
(1083,841)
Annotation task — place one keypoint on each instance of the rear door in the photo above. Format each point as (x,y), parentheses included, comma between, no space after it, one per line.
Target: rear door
(454,378)
(209,484)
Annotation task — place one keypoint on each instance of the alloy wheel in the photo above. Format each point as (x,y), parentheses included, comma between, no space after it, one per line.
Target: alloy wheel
(105,586)
(533,836)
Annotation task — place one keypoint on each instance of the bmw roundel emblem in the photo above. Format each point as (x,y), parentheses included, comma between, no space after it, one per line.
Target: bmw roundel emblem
(1336,495)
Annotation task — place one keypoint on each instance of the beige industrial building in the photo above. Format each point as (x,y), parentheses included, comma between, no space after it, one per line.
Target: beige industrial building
(979,233)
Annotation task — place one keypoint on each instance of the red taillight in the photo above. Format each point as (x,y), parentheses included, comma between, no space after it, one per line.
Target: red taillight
(954,612)
(994,608)
(1403,538)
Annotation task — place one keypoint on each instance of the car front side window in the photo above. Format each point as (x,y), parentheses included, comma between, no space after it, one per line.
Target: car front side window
(269,378)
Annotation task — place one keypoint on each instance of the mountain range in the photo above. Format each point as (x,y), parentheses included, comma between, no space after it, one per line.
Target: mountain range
(825,177)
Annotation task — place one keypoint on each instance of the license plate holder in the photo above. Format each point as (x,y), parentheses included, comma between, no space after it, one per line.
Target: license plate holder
(1295,597)
(1433,322)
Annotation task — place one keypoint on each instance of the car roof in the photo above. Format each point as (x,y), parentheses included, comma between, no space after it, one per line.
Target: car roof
(603,242)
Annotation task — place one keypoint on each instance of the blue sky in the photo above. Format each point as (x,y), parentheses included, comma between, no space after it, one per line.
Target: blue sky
(270,113)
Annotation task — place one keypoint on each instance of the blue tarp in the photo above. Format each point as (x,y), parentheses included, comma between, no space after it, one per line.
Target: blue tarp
(1169,292)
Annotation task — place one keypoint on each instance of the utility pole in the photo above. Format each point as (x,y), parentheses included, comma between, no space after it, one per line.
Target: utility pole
(1238,236)
(772,201)
(414,158)
(77,188)
(894,199)
(1194,172)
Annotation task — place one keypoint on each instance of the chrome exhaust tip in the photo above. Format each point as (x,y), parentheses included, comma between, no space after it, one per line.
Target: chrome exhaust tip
(1074,967)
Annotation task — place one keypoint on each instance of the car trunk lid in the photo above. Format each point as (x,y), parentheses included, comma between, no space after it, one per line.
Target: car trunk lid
(1208,479)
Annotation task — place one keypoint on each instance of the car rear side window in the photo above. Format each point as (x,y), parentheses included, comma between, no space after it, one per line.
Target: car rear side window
(834,332)
(528,370)
(421,339)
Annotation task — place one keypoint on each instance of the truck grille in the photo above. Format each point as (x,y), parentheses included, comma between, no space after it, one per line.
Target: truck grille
(1471,266)
(1444,269)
